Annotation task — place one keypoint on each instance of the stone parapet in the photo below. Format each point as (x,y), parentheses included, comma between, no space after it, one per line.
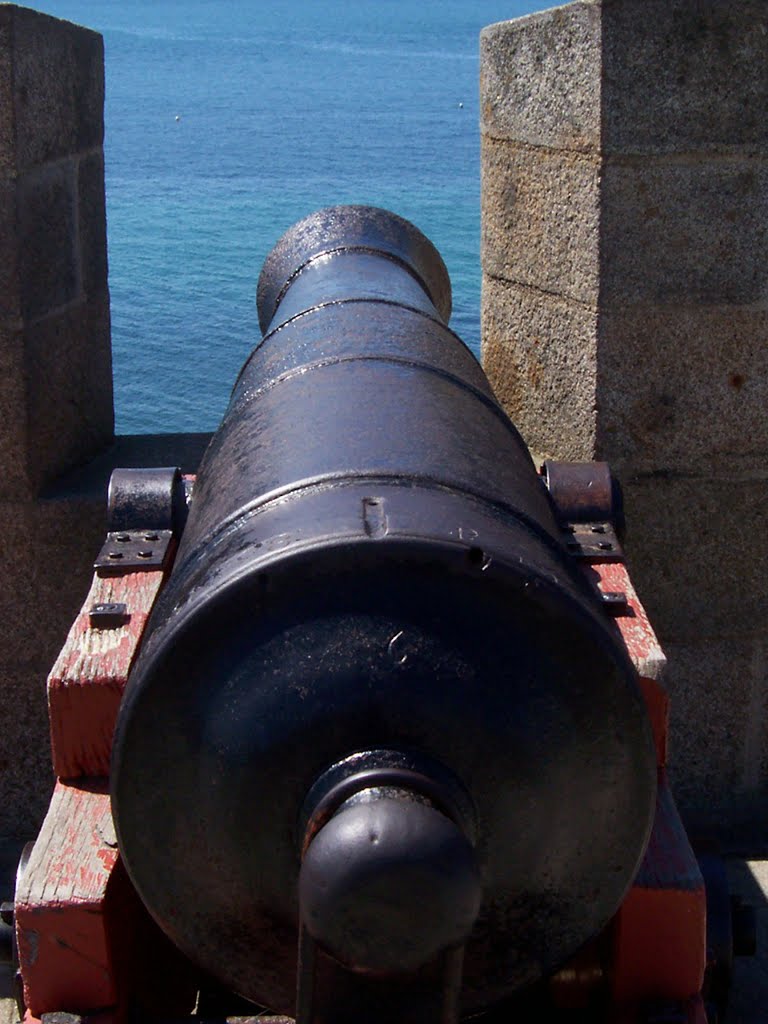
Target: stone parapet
(683,389)
(540,79)
(625,305)
(45,571)
(531,377)
(541,213)
(56,395)
(51,88)
(55,371)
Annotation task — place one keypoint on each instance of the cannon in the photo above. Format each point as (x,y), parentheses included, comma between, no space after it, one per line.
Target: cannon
(391,743)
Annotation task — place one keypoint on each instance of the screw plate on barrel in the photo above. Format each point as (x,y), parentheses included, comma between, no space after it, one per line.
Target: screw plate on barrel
(132,551)
(595,542)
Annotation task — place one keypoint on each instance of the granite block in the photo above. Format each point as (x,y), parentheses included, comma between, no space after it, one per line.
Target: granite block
(10,307)
(26,776)
(539,355)
(130,451)
(21,637)
(540,78)
(68,536)
(684,77)
(57,86)
(696,548)
(46,551)
(7,128)
(14,480)
(701,400)
(92,220)
(49,273)
(687,232)
(719,731)
(541,218)
(69,409)
(636,76)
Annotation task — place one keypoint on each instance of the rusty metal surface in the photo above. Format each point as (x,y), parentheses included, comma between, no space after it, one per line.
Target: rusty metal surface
(372,562)
(584,492)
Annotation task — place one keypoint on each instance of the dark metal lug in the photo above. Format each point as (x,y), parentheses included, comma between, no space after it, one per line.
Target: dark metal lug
(109,615)
(146,508)
(584,492)
(149,499)
(614,601)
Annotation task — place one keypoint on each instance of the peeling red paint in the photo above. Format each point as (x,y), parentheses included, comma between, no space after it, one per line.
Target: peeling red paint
(86,684)
(659,932)
(635,628)
(61,917)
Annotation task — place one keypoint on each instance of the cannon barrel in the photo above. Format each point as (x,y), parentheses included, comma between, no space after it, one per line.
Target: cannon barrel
(375,676)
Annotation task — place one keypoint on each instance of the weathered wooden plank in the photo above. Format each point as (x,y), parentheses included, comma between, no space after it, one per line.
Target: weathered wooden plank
(86,684)
(659,933)
(643,648)
(635,627)
(64,911)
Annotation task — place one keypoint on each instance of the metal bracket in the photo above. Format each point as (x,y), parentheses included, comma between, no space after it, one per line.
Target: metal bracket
(146,510)
(593,542)
(151,499)
(584,492)
(133,551)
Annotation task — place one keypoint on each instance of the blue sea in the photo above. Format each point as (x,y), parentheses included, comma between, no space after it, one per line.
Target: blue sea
(228,120)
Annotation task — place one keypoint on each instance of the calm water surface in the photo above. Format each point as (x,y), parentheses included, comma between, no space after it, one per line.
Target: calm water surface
(226,121)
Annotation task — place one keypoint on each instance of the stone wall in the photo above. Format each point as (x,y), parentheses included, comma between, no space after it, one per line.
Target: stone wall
(55,367)
(57,447)
(625,305)
(54,303)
